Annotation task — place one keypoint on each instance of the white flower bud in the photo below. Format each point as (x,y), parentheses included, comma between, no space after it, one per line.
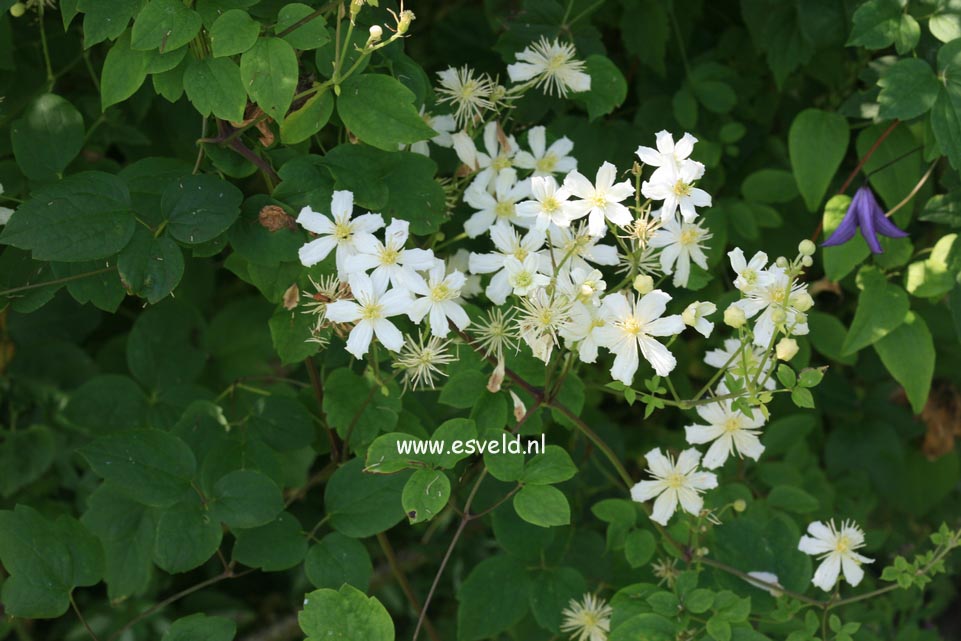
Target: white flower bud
(806,248)
(403,23)
(376,33)
(18,10)
(734,317)
(786,349)
(778,316)
(802,301)
(807,261)
(644,284)
(740,505)
(782,262)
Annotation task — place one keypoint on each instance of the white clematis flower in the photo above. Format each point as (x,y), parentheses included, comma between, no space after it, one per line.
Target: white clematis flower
(498,154)
(523,276)
(389,260)
(509,244)
(499,207)
(443,124)
(674,482)
(675,187)
(469,94)
(694,316)
(680,243)
(544,160)
(549,206)
(342,233)
(632,324)
(751,274)
(370,309)
(728,430)
(553,66)
(440,293)
(668,153)
(837,550)
(600,201)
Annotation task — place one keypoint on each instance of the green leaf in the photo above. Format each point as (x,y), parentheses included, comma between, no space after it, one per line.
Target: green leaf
(47,137)
(908,353)
(841,259)
(151,267)
(45,561)
(879,23)
(269,72)
(551,592)
(361,504)
(718,628)
(213,86)
(379,110)
(786,375)
(246,499)
(345,614)
(937,274)
(233,32)
(647,626)
(770,186)
(92,282)
(200,208)
(355,407)
(497,584)
(85,216)
(639,548)
(817,142)
(162,345)
(645,32)
(811,377)
(337,560)
(311,34)
(608,87)
(106,20)
(464,388)
(278,545)
(303,123)
(150,466)
(127,530)
(124,71)
(186,537)
(908,89)
(802,397)
(425,495)
(554,465)
(698,601)
(542,505)
(283,423)
(881,309)
(200,627)
(827,336)
(24,456)
(792,499)
(108,403)
(165,25)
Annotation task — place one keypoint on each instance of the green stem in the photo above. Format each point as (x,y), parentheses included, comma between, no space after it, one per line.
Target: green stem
(57,281)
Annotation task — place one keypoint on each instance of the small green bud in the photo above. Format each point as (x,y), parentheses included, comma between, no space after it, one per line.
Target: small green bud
(740,505)
(806,248)
(18,10)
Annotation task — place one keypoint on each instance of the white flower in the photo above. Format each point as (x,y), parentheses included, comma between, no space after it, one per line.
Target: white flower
(693,316)
(422,359)
(5,214)
(579,248)
(343,232)
(633,323)
(601,200)
(674,186)
(499,207)
(581,330)
(583,285)
(773,587)
(775,296)
(389,260)
(540,318)
(498,154)
(470,95)
(680,243)
(553,65)
(674,483)
(523,276)
(550,204)
(742,363)
(749,274)
(668,153)
(730,430)
(836,550)
(443,125)
(508,244)
(588,619)
(370,309)
(544,160)
(439,295)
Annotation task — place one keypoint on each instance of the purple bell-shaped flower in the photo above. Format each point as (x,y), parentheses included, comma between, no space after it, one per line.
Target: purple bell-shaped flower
(864,213)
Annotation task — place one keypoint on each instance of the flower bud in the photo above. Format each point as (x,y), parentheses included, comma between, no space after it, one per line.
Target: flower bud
(740,505)
(734,317)
(778,316)
(806,248)
(782,262)
(802,301)
(18,10)
(355,7)
(807,261)
(786,349)
(644,284)
(376,33)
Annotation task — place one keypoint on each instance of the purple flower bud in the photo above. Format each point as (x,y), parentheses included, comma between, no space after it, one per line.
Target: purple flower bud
(864,213)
